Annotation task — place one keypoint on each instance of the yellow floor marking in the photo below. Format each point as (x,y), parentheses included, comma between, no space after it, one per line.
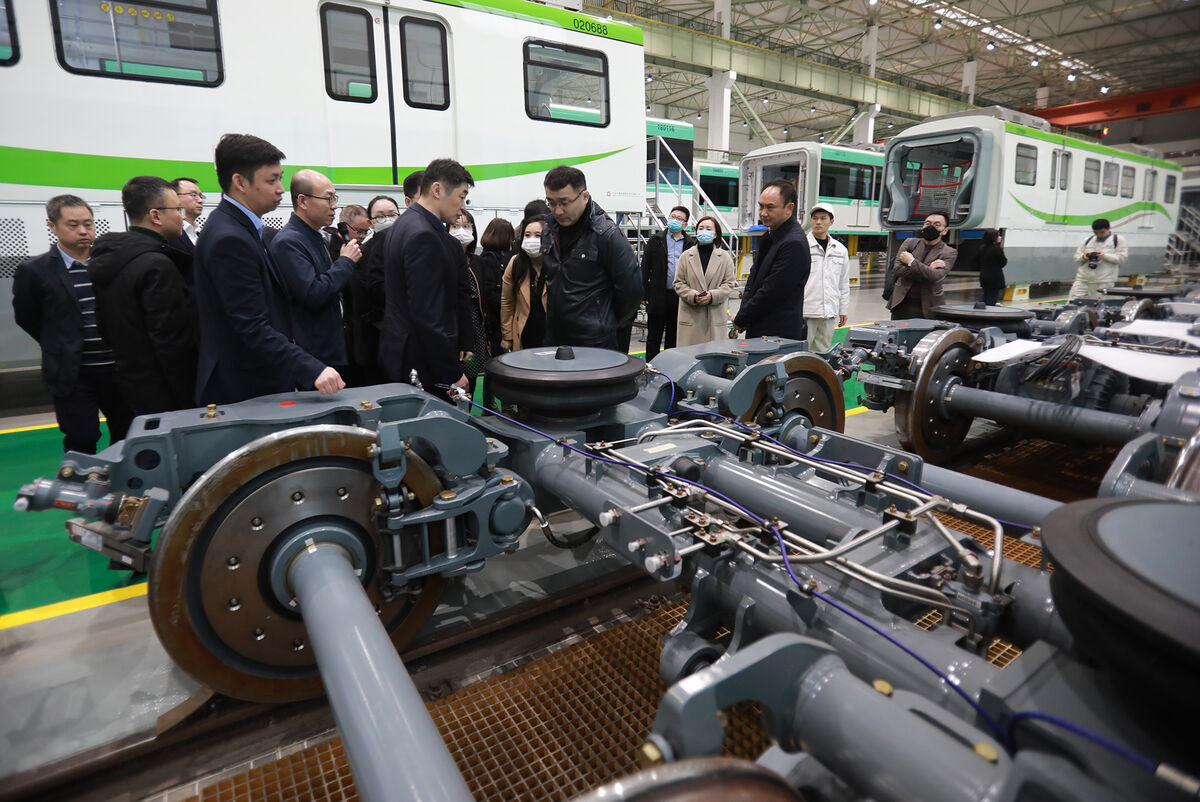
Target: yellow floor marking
(71,606)
(29,428)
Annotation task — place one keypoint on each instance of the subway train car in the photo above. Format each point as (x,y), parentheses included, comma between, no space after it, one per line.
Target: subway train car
(995,168)
(96,92)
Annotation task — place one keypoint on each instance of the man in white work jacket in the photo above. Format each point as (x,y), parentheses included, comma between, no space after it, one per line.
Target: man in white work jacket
(1099,258)
(827,293)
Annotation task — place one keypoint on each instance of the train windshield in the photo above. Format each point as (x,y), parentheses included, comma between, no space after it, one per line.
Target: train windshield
(933,173)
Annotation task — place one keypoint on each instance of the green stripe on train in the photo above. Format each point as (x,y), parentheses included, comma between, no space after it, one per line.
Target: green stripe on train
(1060,139)
(535,12)
(48,168)
(1086,219)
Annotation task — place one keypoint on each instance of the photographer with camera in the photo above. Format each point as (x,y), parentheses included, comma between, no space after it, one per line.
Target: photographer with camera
(1099,259)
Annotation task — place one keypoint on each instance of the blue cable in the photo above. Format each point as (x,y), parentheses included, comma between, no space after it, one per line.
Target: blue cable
(1006,737)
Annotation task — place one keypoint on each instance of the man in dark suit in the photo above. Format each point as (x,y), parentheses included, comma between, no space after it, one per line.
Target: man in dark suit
(420,322)
(773,303)
(54,303)
(314,282)
(192,200)
(245,325)
(663,250)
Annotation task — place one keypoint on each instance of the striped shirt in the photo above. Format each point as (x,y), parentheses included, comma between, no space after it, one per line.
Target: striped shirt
(95,350)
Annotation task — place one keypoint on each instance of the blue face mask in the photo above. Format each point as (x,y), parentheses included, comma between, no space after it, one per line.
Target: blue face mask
(705,237)
(674,225)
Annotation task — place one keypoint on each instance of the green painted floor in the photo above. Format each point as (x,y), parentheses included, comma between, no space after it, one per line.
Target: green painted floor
(38,564)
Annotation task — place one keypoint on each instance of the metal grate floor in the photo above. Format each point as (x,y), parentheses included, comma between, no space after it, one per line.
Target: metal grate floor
(550,726)
(1061,471)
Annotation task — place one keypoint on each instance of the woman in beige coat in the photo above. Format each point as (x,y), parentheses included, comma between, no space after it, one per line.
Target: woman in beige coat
(704,277)
(523,325)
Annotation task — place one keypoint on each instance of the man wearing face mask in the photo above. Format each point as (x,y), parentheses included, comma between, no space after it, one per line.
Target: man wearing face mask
(920,268)
(658,279)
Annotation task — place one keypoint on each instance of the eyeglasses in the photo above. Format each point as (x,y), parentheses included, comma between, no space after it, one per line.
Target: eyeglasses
(179,209)
(562,204)
(362,232)
(379,218)
(196,195)
(330,199)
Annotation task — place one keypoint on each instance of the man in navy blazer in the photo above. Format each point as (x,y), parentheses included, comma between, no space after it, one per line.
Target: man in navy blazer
(246,330)
(314,281)
(420,320)
(773,303)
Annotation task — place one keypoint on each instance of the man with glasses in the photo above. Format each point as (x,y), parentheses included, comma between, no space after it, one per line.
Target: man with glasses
(594,284)
(192,200)
(920,268)
(663,250)
(54,303)
(245,315)
(142,301)
(314,282)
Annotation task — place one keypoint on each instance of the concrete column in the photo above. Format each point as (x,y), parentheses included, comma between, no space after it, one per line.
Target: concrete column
(870,48)
(720,100)
(968,79)
(721,15)
(1042,99)
(864,126)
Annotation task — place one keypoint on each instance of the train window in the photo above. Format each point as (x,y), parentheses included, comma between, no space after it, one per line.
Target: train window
(426,66)
(1064,171)
(1053,167)
(348,47)
(846,180)
(566,84)
(1169,193)
(1109,185)
(1091,176)
(722,190)
(177,42)
(1151,182)
(1127,179)
(9,52)
(1026,165)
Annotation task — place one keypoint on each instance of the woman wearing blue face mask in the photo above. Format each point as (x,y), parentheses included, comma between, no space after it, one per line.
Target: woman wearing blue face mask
(704,277)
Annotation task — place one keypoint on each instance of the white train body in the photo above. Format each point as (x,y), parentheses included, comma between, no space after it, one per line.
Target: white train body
(1004,170)
(95,92)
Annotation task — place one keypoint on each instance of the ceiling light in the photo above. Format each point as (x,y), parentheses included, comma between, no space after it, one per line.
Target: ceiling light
(1070,76)
(649,78)
(991,45)
(1104,90)
(785,130)
(890,125)
(744,123)
(822,136)
(647,109)
(872,2)
(814,108)
(1033,62)
(698,116)
(766,100)
(937,26)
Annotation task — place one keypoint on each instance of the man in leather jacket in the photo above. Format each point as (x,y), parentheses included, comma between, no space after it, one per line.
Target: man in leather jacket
(594,283)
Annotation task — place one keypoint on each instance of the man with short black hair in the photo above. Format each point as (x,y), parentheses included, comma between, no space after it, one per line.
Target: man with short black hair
(773,302)
(919,269)
(53,301)
(1099,258)
(594,284)
(420,323)
(192,200)
(827,292)
(314,282)
(245,323)
(142,300)
(412,186)
(662,252)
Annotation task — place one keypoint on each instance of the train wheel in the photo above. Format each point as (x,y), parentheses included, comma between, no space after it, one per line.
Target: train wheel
(922,423)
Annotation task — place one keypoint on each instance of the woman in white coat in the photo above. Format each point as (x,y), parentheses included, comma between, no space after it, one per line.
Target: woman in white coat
(704,277)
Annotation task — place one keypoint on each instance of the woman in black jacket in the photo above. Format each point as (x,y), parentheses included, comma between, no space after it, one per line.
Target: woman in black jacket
(991,261)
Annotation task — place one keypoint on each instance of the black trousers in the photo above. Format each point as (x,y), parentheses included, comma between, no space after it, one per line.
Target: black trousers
(907,309)
(662,318)
(96,391)
(992,297)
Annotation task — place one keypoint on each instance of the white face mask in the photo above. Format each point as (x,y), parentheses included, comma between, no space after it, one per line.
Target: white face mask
(463,235)
(383,223)
(532,245)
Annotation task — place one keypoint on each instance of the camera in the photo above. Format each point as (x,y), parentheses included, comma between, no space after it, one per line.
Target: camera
(1093,259)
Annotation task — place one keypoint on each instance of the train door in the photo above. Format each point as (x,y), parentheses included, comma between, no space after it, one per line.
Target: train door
(353,48)
(1060,181)
(424,128)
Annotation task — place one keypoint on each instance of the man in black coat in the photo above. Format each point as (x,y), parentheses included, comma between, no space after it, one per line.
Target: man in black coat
(54,303)
(663,249)
(142,301)
(773,303)
(594,284)
(314,282)
(420,321)
(245,325)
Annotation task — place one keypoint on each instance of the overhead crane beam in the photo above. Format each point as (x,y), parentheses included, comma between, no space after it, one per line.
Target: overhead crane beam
(692,51)
(1125,107)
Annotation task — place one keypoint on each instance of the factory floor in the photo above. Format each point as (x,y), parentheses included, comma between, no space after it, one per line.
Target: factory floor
(59,602)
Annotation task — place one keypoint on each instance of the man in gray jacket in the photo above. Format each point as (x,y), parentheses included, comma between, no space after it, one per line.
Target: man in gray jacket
(594,284)
(920,268)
